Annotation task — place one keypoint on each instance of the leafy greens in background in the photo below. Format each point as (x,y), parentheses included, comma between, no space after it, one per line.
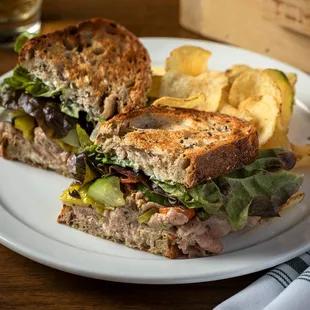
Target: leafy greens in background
(22,80)
(53,122)
(22,39)
(23,91)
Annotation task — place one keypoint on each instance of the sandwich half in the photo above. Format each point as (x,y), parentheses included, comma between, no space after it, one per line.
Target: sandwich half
(174,181)
(81,75)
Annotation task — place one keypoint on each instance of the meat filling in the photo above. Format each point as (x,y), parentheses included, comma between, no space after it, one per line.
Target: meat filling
(190,235)
(42,151)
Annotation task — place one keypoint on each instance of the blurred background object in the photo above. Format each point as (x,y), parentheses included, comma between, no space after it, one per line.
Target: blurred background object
(277,28)
(16,17)
(130,13)
(291,14)
(145,18)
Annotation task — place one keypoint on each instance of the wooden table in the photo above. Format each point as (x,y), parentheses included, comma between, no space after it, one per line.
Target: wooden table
(28,285)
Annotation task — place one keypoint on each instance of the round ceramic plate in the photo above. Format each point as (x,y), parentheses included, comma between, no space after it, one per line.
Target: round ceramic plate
(29,207)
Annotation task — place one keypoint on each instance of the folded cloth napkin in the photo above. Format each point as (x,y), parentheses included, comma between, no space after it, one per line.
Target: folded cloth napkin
(285,287)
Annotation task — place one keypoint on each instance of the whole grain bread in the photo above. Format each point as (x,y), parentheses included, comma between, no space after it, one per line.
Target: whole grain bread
(179,145)
(131,233)
(42,152)
(99,64)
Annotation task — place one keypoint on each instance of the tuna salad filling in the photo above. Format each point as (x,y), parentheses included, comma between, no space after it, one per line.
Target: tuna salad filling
(41,151)
(193,238)
(194,219)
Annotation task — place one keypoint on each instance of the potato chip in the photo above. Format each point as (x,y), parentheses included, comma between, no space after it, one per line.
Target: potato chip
(278,139)
(265,111)
(293,200)
(303,154)
(187,59)
(154,91)
(253,83)
(211,83)
(235,71)
(156,70)
(301,150)
(303,162)
(287,95)
(292,78)
(228,109)
(196,102)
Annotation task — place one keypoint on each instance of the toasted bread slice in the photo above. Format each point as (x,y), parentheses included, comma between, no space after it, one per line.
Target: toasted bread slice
(42,152)
(99,65)
(179,145)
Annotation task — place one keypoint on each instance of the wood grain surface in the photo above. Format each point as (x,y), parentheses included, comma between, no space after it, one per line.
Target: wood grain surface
(253,25)
(25,284)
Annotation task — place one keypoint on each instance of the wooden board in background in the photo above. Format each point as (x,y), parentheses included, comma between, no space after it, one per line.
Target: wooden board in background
(244,23)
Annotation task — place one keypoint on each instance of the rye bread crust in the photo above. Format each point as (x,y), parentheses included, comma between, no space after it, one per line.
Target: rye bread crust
(102,65)
(179,145)
(156,242)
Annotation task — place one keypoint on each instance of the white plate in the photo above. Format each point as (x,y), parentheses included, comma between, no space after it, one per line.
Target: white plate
(29,208)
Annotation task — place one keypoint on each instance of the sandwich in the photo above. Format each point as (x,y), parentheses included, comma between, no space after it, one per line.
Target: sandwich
(173,181)
(78,76)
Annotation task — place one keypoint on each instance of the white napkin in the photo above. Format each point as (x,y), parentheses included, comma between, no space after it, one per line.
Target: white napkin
(285,287)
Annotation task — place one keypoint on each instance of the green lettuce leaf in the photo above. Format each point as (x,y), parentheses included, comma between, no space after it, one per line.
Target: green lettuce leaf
(261,194)
(53,122)
(107,191)
(72,138)
(175,190)
(90,159)
(285,156)
(268,159)
(147,215)
(69,107)
(206,196)
(83,137)
(152,196)
(23,80)
(114,160)
(22,39)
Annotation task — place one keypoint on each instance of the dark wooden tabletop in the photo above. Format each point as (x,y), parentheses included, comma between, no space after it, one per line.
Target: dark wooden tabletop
(25,284)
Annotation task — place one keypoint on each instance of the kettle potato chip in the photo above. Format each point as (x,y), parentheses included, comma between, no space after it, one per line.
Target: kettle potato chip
(211,83)
(265,110)
(188,59)
(156,82)
(196,102)
(230,110)
(302,153)
(235,71)
(278,139)
(253,83)
(292,78)
(264,97)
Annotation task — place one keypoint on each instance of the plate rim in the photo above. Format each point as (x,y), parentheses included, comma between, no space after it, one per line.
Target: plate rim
(49,258)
